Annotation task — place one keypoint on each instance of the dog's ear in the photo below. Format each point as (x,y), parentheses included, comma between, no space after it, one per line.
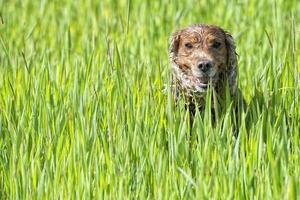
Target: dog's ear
(174,45)
(231,63)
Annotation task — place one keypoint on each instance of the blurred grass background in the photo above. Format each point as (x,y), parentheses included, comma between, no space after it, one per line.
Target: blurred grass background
(83,112)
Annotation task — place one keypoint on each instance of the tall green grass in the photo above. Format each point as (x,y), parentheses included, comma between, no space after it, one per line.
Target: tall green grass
(86,111)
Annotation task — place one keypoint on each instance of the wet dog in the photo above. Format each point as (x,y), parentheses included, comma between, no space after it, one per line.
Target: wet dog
(202,56)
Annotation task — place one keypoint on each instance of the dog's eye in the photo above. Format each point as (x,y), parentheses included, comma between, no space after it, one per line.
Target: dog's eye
(216,45)
(188,45)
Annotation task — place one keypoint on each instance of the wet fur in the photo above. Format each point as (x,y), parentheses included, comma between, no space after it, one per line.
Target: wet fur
(183,63)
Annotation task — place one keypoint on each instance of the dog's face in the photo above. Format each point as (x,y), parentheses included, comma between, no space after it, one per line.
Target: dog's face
(200,54)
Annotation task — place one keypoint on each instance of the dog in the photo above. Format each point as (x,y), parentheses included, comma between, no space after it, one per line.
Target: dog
(202,56)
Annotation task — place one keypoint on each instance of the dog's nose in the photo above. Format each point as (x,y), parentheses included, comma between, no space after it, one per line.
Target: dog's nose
(204,66)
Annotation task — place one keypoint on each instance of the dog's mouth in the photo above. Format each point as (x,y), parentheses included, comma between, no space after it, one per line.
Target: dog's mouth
(202,82)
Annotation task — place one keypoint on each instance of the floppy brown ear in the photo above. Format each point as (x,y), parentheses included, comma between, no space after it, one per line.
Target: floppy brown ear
(231,63)
(174,45)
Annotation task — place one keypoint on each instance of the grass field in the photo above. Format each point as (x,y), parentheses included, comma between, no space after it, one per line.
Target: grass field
(86,111)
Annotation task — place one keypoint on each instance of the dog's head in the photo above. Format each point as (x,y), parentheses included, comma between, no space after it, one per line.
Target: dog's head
(203,54)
